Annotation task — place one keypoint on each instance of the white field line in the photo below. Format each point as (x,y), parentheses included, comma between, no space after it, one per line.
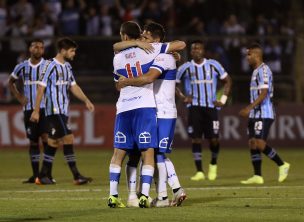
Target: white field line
(189,188)
(105,198)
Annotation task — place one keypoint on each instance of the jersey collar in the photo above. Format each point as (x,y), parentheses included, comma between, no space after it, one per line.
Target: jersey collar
(34,66)
(199,65)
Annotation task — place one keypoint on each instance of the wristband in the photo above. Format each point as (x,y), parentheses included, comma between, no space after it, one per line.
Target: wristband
(223,99)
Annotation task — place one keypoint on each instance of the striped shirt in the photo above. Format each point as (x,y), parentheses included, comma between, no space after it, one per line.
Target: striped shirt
(57,78)
(200,81)
(29,75)
(262,79)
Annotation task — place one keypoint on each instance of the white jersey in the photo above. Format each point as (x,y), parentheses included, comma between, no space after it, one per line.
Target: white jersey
(164,86)
(133,62)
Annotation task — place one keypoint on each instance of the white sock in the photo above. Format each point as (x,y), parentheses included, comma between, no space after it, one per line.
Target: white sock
(114,178)
(162,180)
(172,177)
(131,173)
(146,177)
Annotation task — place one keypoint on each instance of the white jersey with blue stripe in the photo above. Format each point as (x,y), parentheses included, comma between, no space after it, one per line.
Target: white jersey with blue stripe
(262,79)
(200,81)
(29,74)
(133,62)
(57,78)
(164,86)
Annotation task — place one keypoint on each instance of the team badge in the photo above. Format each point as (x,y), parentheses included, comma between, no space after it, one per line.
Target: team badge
(144,137)
(120,137)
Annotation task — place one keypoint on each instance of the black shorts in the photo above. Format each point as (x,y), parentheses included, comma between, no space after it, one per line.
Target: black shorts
(34,130)
(58,126)
(203,121)
(259,128)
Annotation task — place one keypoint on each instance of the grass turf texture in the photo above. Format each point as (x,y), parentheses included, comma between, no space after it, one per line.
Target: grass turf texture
(222,200)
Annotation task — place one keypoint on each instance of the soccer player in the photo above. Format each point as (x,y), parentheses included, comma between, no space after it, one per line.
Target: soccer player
(28,72)
(261,116)
(163,73)
(200,76)
(135,124)
(56,81)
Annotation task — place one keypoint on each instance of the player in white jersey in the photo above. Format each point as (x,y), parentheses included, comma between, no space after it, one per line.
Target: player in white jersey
(135,124)
(261,116)
(163,73)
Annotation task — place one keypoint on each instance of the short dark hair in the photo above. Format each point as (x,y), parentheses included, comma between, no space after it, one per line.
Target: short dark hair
(36,40)
(254,45)
(156,29)
(198,41)
(65,43)
(130,29)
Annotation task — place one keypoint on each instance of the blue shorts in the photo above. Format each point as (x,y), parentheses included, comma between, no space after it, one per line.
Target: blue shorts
(259,128)
(136,129)
(166,129)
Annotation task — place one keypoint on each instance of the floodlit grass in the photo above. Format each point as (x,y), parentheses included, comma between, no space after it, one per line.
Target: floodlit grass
(222,200)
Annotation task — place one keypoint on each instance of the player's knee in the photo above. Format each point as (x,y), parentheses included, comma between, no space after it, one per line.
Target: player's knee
(260,144)
(53,143)
(68,139)
(252,144)
(34,142)
(44,137)
(196,140)
(214,142)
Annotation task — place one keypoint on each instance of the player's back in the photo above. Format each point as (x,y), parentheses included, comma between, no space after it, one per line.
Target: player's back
(164,86)
(134,62)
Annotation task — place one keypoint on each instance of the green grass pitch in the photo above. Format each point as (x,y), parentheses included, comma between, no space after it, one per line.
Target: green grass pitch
(222,200)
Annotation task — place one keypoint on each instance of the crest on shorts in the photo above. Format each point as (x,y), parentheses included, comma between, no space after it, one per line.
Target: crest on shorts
(144,137)
(53,131)
(120,137)
(29,131)
(164,143)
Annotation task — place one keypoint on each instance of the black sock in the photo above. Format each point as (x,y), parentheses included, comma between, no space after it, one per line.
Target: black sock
(197,155)
(272,154)
(214,153)
(69,156)
(256,160)
(51,167)
(34,152)
(48,158)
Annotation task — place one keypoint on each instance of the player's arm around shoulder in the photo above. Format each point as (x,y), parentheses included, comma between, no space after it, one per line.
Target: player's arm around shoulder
(78,93)
(119,46)
(176,45)
(147,78)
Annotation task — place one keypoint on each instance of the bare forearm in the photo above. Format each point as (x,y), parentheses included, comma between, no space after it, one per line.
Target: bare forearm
(79,94)
(259,100)
(227,85)
(123,45)
(14,90)
(40,92)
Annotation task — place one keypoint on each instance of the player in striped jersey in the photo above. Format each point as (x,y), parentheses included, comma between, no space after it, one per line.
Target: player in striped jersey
(135,124)
(261,116)
(163,74)
(28,72)
(200,76)
(56,81)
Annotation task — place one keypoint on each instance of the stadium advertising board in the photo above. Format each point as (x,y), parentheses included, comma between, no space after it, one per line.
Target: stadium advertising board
(96,130)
